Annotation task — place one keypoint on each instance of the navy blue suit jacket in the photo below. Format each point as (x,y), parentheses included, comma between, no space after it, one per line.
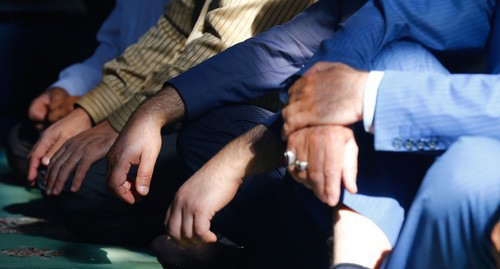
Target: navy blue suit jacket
(266,62)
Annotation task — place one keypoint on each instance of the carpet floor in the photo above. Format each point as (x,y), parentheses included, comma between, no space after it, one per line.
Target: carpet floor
(29,238)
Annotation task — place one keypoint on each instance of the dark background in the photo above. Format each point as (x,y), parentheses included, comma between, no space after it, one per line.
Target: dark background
(38,38)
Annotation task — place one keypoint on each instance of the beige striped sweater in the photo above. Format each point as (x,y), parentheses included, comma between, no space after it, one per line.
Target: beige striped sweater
(189,32)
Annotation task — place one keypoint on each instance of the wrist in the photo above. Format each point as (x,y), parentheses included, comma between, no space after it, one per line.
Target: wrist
(361,80)
(163,108)
(82,116)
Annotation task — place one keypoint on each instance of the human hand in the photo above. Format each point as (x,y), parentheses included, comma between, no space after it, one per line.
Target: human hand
(196,202)
(331,153)
(139,143)
(50,106)
(54,137)
(327,94)
(79,153)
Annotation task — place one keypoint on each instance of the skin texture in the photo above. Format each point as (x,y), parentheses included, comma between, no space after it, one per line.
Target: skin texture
(54,137)
(50,106)
(322,104)
(139,144)
(332,153)
(78,154)
(216,183)
(327,94)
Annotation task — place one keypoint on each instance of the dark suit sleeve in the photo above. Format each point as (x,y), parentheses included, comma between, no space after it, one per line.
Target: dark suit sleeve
(258,65)
(438,25)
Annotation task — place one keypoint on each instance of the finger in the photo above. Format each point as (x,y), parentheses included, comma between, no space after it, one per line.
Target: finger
(70,102)
(80,173)
(56,103)
(187,229)
(350,171)
(295,117)
(117,180)
(57,172)
(202,231)
(65,170)
(38,108)
(333,171)
(297,144)
(174,223)
(145,172)
(52,150)
(316,160)
(321,67)
(56,114)
(35,157)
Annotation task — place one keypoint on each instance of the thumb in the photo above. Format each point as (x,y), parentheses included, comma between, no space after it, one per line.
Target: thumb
(38,109)
(145,173)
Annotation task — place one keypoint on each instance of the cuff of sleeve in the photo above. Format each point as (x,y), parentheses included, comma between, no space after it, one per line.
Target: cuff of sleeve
(78,79)
(119,118)
(274,123)
(370,99)
(100,103)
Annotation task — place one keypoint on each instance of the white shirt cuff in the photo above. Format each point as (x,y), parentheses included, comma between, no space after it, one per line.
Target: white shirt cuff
(370,99)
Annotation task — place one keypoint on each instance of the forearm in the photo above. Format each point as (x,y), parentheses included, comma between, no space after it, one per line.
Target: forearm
(255,152)
(163,108)
(259,65)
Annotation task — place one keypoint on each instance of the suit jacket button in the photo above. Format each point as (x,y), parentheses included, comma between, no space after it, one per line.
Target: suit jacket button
(421,144)
(433,143)
(409,144)
(397,143)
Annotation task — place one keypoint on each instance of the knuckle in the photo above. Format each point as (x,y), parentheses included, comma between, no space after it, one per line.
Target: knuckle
(315,177)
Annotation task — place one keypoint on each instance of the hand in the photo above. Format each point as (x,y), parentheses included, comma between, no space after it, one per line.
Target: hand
(79,153)
(331,152)
(54,137)
(139,143)
(50,106)
(216,183)
(327,94)
(196,202)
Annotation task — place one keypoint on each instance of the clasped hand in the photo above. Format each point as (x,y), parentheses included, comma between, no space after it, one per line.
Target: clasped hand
(322,105)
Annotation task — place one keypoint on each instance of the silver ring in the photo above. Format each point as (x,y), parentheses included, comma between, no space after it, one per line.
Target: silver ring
(301,165)
(290,158)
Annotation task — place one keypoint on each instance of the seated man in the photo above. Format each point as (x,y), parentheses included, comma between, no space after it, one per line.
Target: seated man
(189,216)
(73,149)
(128,21)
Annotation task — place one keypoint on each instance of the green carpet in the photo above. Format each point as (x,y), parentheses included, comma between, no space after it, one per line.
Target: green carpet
(29,240)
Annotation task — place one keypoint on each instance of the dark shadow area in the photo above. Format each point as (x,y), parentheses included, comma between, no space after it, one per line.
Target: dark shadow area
(39,38)
(88,254)
(40,218)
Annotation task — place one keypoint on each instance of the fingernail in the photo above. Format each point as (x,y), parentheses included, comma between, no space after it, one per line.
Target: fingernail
(46,161)
(331,201)
(143,189)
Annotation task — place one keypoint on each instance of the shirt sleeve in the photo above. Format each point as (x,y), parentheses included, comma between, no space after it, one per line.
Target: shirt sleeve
(124,75)
(370,99)
(234,21)
(259,65)
(411,115)
(79,78)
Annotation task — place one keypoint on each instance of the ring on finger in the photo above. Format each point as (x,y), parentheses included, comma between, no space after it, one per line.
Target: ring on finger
(301,165)
(290,158)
